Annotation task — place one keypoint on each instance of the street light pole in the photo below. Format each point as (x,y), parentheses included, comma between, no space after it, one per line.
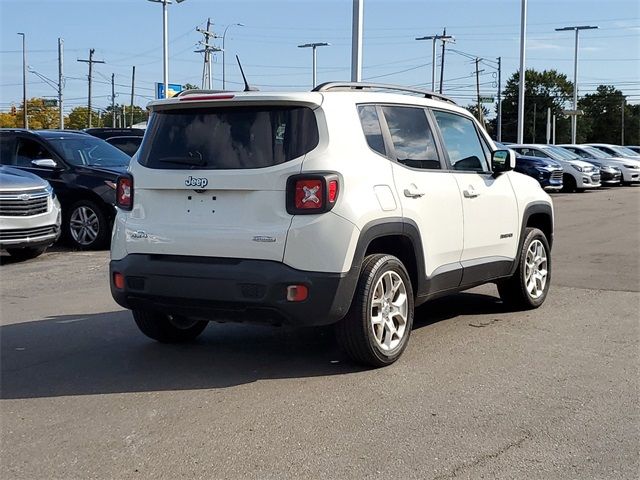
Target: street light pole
(574,116)
(25,116)
(165,44)
(224,34)
(313,46)
(522,75)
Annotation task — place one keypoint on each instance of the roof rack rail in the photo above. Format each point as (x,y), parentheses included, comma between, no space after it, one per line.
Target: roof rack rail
(198,91)
(324,87)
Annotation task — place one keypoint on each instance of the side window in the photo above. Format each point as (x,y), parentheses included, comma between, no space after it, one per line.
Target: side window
(7,150)
(412,137)
(539,153)
(371,128)
(462,142)
(29,150)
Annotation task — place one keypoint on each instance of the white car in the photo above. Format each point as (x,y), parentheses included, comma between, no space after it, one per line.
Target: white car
(29,213)
(578,175)
(629,169)
(348,205)
(631,160)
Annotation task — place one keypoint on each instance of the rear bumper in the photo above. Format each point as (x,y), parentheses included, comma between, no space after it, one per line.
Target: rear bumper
(225,289)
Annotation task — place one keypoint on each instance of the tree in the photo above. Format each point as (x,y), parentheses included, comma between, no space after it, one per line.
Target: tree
(602,120)
(40,115)
(139,115)
(9,120)
(488,124)
(546,89)
(190,86)
(78,118)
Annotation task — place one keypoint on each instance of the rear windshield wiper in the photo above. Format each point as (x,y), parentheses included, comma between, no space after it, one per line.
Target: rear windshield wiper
(193,160)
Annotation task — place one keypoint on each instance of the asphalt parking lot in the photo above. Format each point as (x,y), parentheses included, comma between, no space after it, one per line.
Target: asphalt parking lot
(480,392)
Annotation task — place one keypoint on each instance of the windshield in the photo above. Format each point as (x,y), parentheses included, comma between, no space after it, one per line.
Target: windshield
(627,152)
(595,152)
(565,154)
(89,151)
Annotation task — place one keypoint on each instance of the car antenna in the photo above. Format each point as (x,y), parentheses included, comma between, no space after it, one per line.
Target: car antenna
(247,87)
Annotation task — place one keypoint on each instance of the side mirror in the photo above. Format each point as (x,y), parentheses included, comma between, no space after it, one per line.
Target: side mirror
(44,163)
(503,161)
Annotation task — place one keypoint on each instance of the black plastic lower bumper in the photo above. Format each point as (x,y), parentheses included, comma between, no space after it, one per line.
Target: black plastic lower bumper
(227,289)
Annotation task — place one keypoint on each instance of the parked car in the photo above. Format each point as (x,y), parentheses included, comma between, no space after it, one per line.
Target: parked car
(635,148)
(126,139)
(578,175)
(82,171)
(29,213)
(547,172)
(107,132)
(616,150)
(345,205)
(628,174)
(128,145)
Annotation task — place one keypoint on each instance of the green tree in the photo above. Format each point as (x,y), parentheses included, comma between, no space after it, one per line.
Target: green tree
(602,120)
(78,118)
(488,124)
(139,115)
(546,89)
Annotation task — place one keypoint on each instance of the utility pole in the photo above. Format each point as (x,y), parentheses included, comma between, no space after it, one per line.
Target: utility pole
(553,137)
(444,39)
(499,99)
(313,46)
(91,61)
(133,91)
(574,115)
(25,115)
(60,82)
(622,124)
(434,39)
(480,119)
(207,50)
(113,100)
(356,40)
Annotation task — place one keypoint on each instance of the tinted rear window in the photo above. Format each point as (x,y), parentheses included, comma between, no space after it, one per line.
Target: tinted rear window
(228,138)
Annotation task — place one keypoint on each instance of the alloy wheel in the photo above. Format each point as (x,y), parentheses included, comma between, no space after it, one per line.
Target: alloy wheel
(84,225)
(536,269)
(389,311)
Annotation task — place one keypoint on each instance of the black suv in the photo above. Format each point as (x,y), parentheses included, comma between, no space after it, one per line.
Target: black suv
(126,139)
(82,171)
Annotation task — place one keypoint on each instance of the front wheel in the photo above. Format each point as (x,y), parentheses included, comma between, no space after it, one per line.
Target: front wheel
(377,328)
(86,225)
(528,287)
(168,328)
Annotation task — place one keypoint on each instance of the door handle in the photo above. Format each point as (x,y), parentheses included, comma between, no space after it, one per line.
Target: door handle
(411,192)
(470,193)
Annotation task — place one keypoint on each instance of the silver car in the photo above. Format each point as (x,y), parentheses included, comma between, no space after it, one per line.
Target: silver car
(29,213)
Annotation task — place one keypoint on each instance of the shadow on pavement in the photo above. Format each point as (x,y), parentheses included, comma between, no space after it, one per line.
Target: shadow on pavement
(105,353)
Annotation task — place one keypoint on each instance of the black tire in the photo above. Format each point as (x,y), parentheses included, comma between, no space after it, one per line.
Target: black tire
(513,290)
(168,328)
(568,183)
(355,332)
(95,216)
(26,253)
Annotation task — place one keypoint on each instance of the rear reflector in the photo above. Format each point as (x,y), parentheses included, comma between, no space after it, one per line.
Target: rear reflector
(333,191)
(297,293)
(118,280)
(192,98)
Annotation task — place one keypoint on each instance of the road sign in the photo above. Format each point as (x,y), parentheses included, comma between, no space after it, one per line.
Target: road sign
(174,89)
(572,112)
(486,99)
(50,102)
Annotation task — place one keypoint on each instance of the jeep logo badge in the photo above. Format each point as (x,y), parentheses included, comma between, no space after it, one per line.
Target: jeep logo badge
(196,182)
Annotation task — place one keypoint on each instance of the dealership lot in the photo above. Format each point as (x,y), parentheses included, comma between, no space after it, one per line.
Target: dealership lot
(480,391)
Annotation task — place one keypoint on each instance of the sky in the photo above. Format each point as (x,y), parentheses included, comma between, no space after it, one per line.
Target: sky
(125,33)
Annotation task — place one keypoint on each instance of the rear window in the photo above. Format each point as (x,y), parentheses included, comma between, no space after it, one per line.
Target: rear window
(228,138)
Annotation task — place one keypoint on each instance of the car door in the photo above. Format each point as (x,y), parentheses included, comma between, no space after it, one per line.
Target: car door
(428,194)
(488,202)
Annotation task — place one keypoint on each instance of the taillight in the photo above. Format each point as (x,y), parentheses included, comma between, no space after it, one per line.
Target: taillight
(312,193)
(124,192)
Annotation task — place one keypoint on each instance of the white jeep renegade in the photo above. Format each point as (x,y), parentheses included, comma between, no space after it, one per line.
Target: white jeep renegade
(350,204)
